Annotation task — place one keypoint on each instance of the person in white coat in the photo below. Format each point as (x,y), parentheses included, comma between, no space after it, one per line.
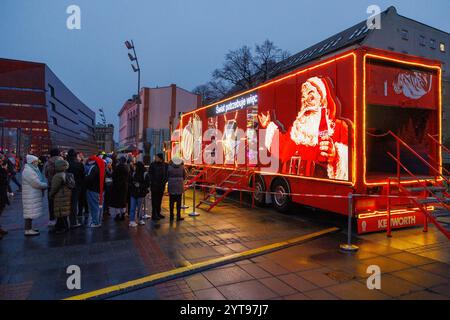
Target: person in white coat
(33,184)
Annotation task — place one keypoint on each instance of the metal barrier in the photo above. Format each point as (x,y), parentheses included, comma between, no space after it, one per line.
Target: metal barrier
(194,213)
(349,247)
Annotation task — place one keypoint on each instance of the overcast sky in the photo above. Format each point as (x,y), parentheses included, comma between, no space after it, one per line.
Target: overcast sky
(178,41)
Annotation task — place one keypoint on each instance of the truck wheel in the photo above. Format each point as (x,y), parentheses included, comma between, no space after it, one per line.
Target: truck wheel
(260,191)
(280,198)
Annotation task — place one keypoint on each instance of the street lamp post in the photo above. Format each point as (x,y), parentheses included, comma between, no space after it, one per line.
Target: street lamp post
(136,68)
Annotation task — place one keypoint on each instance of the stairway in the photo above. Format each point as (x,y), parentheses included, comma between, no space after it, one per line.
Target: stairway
(236,180)
(195,175)
(431,197)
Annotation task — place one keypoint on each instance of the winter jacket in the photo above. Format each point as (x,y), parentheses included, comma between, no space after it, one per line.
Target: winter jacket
(139,185)
(119,188)
(3,188)
(175,178)
(59,192)
(158,176)
(49,168)
(77,169)
(92,179)
(32,187)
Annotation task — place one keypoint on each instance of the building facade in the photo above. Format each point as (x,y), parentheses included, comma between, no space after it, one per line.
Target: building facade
(146,126)
(38,112)
(104,137)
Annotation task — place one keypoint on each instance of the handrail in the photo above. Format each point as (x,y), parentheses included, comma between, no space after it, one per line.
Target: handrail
(438,143)
(417,179)
(440,166)
(418,156)
(421,206)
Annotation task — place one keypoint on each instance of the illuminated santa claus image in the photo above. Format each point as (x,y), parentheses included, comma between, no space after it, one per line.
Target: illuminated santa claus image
(316,144)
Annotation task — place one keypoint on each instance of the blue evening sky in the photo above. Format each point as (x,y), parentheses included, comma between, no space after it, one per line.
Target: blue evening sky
(178,41)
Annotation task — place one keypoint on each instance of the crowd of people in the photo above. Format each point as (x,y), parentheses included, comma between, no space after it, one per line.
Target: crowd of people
(83,191)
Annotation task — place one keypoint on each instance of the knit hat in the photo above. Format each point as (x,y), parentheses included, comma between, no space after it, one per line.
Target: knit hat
(31,158)
(177,161)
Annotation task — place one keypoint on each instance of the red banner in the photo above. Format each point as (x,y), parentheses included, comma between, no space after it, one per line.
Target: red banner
(392,86)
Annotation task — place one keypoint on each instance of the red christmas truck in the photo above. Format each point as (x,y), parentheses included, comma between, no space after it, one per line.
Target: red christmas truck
(364,121)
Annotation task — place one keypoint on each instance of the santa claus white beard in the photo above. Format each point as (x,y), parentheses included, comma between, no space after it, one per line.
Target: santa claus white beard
(305,129)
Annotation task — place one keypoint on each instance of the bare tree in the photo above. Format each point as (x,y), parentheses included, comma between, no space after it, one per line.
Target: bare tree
(242,69)
(267,55)
(206,92)
(238,69)
(211,91)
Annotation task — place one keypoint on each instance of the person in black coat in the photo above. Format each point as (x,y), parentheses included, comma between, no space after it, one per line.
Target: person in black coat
(119,189)
(139,184)
(3,190)
(77,169)
(158,180)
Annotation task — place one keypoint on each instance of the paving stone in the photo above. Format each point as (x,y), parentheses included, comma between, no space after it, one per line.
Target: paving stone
(198,282)
(320,294)
(438,268)
(248,290)
(443,289)
(254,270)
(273,268)
(411,259)
(396,287)
(421,277)
(354,290)
(297,282)
(278,286)
(224,276)
(296,296)
(386,264)
(423,295)
(319,278)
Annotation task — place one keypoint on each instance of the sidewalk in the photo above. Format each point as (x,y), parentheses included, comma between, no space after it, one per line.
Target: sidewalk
(413,265)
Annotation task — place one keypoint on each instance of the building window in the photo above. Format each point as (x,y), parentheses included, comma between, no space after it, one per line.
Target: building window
(404,34)
(55,121)
(432,44)
(52,90)
(422,40)
(53,106)
(442,47)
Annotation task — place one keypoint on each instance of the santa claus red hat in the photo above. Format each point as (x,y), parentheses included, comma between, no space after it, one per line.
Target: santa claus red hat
(325,88)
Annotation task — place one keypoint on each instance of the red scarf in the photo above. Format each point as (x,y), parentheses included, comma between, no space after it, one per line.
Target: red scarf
(101,172)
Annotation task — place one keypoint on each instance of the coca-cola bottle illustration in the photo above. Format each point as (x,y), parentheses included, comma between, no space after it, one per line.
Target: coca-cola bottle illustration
(323,132)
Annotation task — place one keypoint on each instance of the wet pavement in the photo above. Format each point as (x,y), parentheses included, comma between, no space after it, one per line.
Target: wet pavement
(413,265)
(35,268)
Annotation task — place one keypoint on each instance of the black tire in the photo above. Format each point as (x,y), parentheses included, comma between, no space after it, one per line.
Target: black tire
(280,199)
(259,195)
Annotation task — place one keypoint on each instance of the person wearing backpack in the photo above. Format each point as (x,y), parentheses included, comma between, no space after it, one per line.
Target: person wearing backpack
(61,195)
(139,185)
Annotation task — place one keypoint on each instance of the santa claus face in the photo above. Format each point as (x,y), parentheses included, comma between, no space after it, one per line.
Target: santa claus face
(305,129)
(310,96)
